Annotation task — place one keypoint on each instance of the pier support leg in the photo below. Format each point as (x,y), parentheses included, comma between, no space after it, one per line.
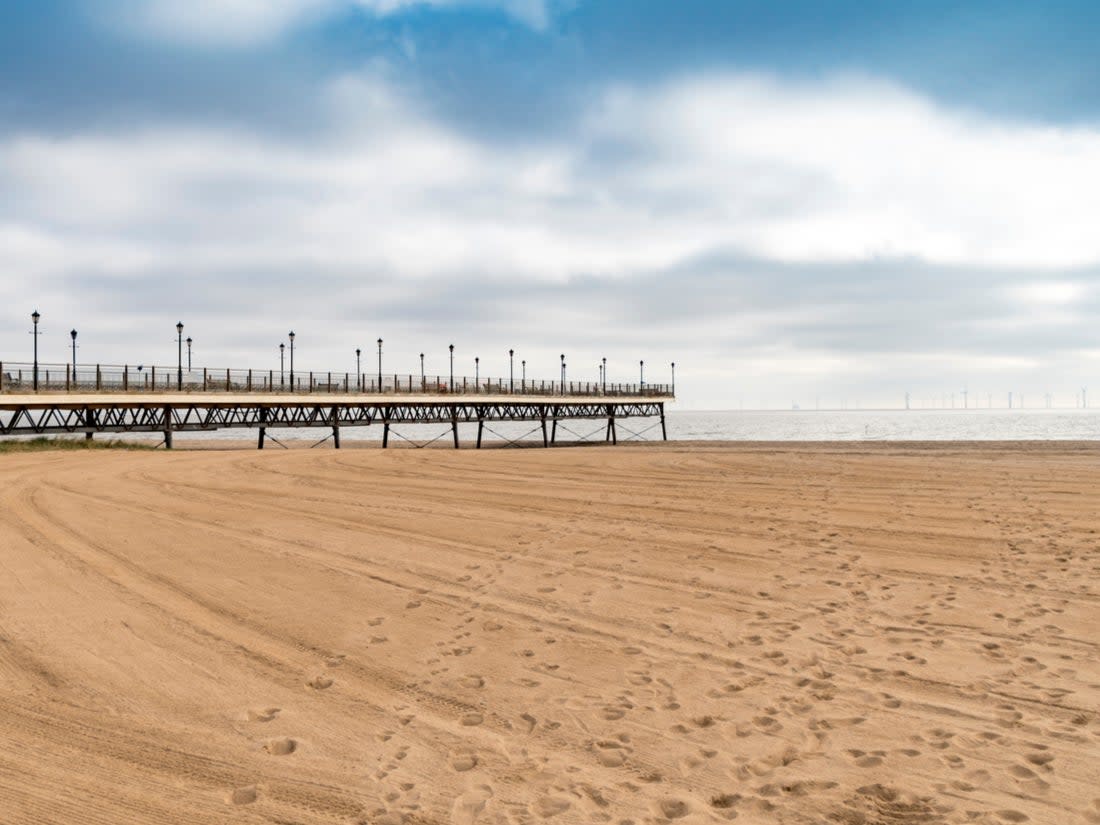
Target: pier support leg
(614,434)
(385,433)
(545,440)
(336,436)
(554,428)
(480,427)
(168,428)
(664,432)
(260,440)
(454,424)
(88,435)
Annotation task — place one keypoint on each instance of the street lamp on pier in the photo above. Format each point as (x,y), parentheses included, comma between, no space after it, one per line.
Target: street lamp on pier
(641,374)
(34,331)
(380,365)
(451,385)
(511,370)
(563,373)
(290,335)
(674,378)
(72,334)
(179,356)
(423,381)
(282,363)
(188,342)
(604,374)
(477,372)
(523,375)
(358,369)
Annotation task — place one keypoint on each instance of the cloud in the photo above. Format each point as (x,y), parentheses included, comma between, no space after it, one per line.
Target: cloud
(236,23)
(773,238)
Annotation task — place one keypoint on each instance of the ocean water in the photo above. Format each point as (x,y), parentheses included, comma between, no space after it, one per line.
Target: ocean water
(833,425)
(888,425)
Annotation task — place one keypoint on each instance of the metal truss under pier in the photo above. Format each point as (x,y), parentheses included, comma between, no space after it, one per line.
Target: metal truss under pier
(168,414)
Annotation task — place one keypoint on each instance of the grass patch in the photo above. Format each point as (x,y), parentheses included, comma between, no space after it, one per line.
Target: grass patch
(45,444)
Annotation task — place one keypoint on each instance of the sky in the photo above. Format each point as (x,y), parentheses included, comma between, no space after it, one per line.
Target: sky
(799,203)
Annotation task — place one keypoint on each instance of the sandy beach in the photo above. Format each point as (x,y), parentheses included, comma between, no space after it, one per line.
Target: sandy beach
(762,633)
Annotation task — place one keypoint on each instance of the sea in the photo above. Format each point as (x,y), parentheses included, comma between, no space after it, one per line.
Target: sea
(738,425)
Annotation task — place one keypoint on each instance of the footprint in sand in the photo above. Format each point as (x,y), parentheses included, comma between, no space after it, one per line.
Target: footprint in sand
(281,746)
(262,714)
(469,805)
(472,682)
(320,682)
(549,806)
(672,808)
(463,762)
(610,754)
(242,796)
(471,720)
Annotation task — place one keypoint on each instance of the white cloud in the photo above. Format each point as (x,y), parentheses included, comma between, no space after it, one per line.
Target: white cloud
(234,23)
(644,190)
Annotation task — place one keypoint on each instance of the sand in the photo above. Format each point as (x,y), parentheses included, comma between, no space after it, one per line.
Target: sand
(831,634)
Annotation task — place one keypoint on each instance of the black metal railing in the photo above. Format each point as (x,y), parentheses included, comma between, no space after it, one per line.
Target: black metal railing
(19,377)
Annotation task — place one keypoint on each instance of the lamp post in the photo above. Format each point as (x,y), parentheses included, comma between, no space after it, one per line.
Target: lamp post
(34,319)
(563,373)
(451,386)
(380,365)
(282,370)
(291,337)
(674,378)
(179,356)
(477,371)
(423,381)
(641,374)
(72,334)
(604,374)
(188,342)
(511,370)
(358,369)
(523,365)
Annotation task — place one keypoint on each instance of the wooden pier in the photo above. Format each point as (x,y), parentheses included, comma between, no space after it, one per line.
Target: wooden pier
(174,412)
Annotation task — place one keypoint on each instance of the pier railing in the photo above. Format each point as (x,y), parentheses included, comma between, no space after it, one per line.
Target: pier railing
(19,377)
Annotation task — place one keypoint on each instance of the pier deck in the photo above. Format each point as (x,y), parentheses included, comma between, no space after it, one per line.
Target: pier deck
(172,412)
